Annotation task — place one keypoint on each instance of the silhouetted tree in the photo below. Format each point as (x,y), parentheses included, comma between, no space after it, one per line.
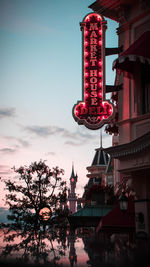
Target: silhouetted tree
(36,186)
(43,248)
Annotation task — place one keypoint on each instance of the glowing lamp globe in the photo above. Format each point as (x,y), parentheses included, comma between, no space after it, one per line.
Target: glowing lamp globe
(45,214)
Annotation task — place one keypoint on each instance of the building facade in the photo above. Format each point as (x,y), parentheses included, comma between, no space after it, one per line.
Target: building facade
(132,150)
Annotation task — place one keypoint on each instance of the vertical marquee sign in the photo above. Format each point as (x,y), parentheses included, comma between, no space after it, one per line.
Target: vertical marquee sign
(94,111)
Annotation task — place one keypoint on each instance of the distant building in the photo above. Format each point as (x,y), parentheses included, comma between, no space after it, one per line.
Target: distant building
(97,171)
(100,175)
(98,197)
(72,198)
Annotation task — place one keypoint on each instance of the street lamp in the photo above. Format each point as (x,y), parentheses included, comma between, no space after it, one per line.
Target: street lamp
(123,202)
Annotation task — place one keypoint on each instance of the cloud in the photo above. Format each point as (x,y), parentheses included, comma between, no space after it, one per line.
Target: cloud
(5,170)
(72,143)
(11,145)
(7,112)
(21,142)
(3,166)
(8,150)
(45,131)
(24,143)
(72,138)
(50,154)
(42,131)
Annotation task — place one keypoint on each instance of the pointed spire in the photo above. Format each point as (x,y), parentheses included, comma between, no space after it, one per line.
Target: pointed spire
(100,158)
(72,174)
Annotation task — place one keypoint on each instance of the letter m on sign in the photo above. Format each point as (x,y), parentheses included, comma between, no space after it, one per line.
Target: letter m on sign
(93,27)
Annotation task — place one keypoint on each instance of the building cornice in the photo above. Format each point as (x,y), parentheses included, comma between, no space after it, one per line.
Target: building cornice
(117,11)
(137,146)
(114,9)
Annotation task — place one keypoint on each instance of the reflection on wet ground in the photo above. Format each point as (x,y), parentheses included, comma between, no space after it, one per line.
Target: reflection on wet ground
(69,247)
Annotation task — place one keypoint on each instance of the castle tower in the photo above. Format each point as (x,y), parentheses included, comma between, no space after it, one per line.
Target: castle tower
(71,193)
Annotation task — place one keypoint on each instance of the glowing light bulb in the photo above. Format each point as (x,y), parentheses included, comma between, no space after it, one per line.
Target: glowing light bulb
(87,18)
(86,43)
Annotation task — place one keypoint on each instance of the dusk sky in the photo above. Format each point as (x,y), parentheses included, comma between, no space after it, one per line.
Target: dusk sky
(40,81)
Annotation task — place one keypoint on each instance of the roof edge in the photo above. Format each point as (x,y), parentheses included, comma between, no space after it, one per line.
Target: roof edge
(136,146)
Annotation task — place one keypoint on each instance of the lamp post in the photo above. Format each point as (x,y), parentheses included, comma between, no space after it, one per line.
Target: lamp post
(123,202)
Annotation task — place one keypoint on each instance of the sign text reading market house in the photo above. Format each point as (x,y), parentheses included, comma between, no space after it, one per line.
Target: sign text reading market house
(93,111)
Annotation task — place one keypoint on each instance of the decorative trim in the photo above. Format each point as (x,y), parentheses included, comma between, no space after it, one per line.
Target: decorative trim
(131,58)
(136,146)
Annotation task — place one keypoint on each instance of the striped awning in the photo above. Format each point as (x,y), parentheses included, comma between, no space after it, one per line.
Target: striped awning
(138,52)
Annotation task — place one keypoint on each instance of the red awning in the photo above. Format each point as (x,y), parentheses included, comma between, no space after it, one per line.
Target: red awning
(115,219)
(138,52)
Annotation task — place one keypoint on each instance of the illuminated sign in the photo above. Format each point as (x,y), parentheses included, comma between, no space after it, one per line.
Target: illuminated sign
(93,111)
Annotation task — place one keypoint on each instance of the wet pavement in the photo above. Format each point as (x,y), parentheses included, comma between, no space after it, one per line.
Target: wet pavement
(69,247)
